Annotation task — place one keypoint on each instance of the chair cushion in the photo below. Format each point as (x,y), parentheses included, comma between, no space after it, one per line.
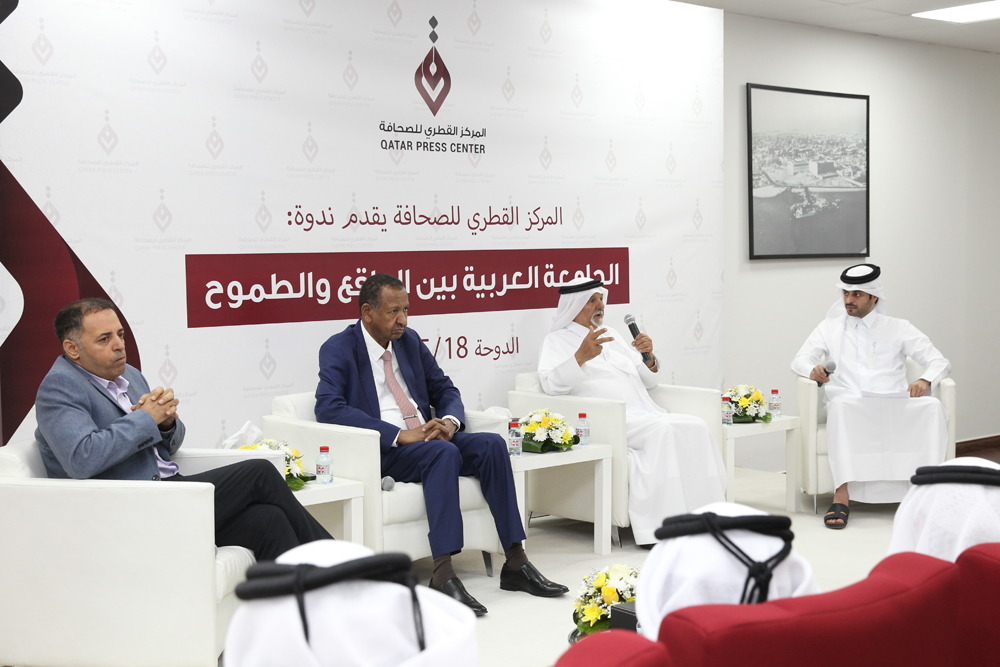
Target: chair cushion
(528,382)
(231,565)
(298,406)
(821,447)
(22,459)
(406,500)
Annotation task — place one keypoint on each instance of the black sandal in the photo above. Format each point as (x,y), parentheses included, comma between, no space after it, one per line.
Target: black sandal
(836,511)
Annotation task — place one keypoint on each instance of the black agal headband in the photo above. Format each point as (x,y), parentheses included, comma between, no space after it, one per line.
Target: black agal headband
(956,475)
(866,277)
(758,581)
(582,287)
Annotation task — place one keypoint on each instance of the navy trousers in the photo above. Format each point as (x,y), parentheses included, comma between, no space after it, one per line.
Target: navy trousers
(437,464)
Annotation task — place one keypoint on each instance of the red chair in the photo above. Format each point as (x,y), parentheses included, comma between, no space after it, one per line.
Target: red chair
(976,623)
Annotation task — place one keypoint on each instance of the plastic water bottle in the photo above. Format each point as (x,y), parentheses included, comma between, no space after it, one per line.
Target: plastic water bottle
(514,449)
(774,405)
(324,466)
(727,411)
(583,429)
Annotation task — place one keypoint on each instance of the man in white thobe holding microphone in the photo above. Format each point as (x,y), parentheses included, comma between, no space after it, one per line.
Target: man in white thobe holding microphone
(674,463)
(879,430)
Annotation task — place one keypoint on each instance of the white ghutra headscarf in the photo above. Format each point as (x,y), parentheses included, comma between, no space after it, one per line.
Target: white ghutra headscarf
(861,278)
(572,302)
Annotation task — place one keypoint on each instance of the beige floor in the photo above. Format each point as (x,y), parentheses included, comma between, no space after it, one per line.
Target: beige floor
(523,631)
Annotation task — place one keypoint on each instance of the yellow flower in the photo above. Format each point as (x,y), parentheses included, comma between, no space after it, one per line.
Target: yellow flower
(296,453)
(566,436)
(744,402)
(531,428)
(545,422)
(578,604)
(757,396)
(609,594)
(592,613)
(600,581)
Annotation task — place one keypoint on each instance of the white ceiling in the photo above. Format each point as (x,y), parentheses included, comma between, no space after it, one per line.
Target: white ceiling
(886,18)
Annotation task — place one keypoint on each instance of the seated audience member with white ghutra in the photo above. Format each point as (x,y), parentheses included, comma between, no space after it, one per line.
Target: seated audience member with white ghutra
(950,508)
(723,553)
(674,462)
(337,603)
(879,430)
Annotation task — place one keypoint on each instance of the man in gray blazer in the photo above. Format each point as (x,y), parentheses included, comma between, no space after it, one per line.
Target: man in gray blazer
(98,419)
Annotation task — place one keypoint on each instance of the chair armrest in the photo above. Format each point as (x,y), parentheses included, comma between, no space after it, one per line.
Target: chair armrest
(192,460)
(486,422)
(82,552)
(700,402)
(947,393)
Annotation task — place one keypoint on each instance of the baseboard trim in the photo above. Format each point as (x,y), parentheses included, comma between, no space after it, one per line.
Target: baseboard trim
(969,447)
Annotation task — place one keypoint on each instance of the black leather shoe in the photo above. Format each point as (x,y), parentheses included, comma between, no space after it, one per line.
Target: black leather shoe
(453,588)
(527,578)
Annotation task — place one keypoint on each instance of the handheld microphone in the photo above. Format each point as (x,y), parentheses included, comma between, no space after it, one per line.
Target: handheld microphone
(388,483)
(634,330)
(830,367)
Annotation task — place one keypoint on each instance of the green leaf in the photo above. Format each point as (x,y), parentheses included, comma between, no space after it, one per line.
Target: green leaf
(766,418)
(294,483)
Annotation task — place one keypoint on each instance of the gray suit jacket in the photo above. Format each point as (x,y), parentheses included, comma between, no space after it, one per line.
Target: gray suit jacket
(83,433)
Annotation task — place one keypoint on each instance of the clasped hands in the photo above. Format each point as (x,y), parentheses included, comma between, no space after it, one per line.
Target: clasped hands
(161,406)
(593,342)
(916,389)
(435,429)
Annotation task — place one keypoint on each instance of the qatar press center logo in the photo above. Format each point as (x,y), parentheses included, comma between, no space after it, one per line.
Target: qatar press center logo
(432,73)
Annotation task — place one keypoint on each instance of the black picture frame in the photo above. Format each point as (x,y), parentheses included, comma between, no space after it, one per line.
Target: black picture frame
(807,173)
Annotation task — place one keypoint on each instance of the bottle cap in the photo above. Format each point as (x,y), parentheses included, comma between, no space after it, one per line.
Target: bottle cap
(583,415)
(514,425)
(774,391)
(324,449)
(725,398)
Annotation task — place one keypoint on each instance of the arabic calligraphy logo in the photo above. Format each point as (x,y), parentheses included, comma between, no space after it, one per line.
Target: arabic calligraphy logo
(576,94)
(267,363)
(474,159)
(214,143)
(49,209)
(309,147)
(42,47)
(106,138)
(545,157)
(263,217)
(578,216)
(640,217)
(507,88)
(350,75)
(546,30)
(474,22)
(222,438)
(432,72)
(639,99)
(696,218)
(696,105)
(162,216)
(258,67)
(611,161)
(167,372)
(671,162)
(116,295)
(157,59)
(395,13)
(698,329)
(307,6)
(354,211)
(671,275)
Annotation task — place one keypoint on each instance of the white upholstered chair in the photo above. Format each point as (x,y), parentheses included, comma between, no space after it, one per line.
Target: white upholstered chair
(394,520)
(568,491)
(813,472)
(114,573)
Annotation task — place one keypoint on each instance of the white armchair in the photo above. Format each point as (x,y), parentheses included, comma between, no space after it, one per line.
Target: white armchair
(394,520)
(813,475)
(566,491)
(114,573)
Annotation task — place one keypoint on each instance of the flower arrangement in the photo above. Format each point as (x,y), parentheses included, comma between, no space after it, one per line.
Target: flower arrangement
(544,430)
(601,590)
(295,475)
(748,404)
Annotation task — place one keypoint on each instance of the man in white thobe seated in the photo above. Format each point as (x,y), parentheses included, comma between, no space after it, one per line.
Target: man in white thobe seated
(879,430)
(329,603)
(950,508)
(706,558)
(674,462)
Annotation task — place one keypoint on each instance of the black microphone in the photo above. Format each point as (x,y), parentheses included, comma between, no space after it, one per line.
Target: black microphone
(830,367)
(634,329)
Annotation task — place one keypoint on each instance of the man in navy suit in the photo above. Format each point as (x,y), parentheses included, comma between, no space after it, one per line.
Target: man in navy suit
(97,418)
(377,374)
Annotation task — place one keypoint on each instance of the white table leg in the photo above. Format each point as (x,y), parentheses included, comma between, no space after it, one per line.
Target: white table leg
(793,493)
(522,505)
(730,470)
(602,507)
(354,520)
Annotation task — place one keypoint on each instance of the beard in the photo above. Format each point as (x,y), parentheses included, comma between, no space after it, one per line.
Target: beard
(597,319)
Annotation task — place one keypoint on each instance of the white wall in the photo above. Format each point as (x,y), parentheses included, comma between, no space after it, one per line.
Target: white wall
(934,146)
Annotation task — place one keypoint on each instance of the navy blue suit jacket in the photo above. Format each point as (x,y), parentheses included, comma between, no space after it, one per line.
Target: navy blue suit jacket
(346,393)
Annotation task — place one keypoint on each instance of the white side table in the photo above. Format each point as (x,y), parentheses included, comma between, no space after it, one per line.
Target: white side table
(600,455)
(792,427)
(346,491)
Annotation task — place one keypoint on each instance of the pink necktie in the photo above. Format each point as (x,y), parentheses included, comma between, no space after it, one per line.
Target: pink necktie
(409,412)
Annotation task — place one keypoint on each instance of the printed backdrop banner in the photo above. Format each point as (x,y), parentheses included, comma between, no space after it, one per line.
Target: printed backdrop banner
(230,171)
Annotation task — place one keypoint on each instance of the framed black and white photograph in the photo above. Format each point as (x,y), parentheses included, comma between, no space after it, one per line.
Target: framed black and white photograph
(808,170)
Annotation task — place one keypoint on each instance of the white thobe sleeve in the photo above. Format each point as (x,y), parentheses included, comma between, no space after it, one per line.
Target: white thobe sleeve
(558,370)
(919,347)
(649,378)
(810,354)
